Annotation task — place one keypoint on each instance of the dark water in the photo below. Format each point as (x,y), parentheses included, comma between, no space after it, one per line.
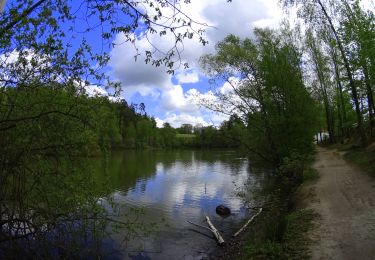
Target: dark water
(173,187)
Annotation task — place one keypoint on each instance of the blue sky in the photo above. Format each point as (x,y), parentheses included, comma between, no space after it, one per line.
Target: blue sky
(174,98)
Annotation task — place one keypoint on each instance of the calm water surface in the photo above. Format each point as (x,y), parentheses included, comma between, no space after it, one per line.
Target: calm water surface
(172,187)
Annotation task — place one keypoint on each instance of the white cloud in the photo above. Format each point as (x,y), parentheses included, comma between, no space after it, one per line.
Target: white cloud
(135,76)
(159,122)
(94,90)
(177,120)
(174,99)
(187,76)
(238,17)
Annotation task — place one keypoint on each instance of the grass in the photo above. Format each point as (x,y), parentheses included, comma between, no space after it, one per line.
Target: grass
(294,244)
(296,241)
(295,227)
(363,158)
(310,174)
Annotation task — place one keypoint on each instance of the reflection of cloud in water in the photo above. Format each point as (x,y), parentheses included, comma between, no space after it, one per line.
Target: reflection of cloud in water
(173,187)
(190,188)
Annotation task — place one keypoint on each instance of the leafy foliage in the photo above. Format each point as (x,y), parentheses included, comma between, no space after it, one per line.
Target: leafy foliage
(343,33)
(267,92)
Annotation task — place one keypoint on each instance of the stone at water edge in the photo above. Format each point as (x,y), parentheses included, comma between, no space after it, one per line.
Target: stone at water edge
(222,210)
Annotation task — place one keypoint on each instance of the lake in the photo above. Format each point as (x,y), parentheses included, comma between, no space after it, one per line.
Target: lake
(166,189)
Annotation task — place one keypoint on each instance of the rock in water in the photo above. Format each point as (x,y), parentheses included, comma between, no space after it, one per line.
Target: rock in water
(222,210)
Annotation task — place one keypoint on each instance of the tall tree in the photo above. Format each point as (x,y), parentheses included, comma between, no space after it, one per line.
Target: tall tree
(267,92)
(317,10)
(359,36)
(322,72)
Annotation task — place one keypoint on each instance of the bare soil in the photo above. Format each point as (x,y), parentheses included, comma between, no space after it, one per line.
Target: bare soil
(344,197)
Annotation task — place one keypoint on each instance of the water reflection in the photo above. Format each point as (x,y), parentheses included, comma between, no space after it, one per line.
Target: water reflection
(175,186)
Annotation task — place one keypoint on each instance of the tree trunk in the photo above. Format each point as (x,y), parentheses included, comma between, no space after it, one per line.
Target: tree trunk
(340,97)
(316,56)
(370,98)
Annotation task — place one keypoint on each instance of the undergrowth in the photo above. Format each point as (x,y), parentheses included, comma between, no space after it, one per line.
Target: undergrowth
(293,245)
(363,158)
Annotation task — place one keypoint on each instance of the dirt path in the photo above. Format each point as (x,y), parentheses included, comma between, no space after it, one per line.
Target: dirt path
(345,199)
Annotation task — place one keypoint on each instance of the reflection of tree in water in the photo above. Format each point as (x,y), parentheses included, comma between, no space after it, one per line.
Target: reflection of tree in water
(122,170)
(56,214)
(259,184)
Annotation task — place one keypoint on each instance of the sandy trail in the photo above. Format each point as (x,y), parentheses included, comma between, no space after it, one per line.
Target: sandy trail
(345,199)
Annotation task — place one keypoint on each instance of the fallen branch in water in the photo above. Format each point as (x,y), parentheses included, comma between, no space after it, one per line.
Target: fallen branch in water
(216,233)
(247,223)
(211,228)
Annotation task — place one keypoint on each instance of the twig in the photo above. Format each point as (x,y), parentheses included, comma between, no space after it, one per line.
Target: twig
(247,223)
(199,225)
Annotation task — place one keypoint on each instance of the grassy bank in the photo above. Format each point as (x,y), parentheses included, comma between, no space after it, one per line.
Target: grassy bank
(293,227)
(362,157)
(280,232)
(292,245)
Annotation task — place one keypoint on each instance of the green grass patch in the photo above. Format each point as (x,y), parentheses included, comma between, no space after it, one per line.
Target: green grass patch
(187,136)
(294,244)
(266,250)
(296,241)
(364,159)
(310,174)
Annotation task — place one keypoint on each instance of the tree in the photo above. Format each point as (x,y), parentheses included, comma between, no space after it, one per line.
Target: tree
(359,38)
(322,72)
(315,10)
(186,129)
(268,93)
(46,189)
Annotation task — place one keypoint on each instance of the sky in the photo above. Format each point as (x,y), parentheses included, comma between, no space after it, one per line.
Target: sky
(173,98)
